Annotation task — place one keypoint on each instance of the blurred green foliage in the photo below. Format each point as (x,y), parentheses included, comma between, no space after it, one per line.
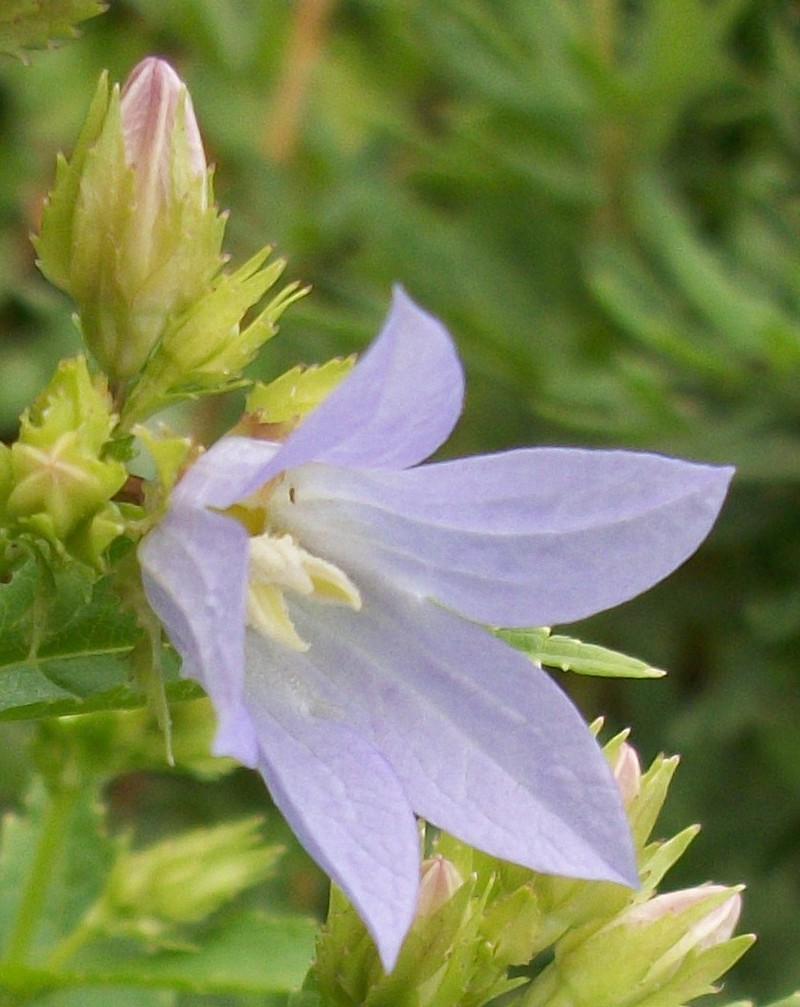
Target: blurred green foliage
(601,199)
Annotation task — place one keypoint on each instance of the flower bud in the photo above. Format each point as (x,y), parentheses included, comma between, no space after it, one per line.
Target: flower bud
(627,772)
(151,892)
(57,481)
(150,99)
(659,953)
(439,881)
(164,150)
(713,928)
(130,230)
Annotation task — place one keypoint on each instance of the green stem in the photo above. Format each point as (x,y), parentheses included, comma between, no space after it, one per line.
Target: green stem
(89,927)
(34,893)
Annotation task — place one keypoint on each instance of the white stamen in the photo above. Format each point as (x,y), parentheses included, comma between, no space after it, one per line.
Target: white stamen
(278,564)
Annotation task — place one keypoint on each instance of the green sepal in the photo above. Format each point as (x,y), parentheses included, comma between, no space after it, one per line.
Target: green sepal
(659,857)
(641,952)
(646,806)
(438,956)
(511,926)
(697,974)
(170,455)
(568,654)
(205,349)
(54,242)
(290,397)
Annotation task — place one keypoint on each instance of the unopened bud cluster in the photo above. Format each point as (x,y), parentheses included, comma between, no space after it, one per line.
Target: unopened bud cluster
(151,894)
(58,478)
(132,234)
(477,917)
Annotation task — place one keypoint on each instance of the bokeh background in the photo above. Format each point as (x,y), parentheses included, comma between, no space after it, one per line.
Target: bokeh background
(601,199)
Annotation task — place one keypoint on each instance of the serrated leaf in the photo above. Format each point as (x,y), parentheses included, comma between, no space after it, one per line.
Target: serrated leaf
(80,663)
(33,24)
(568,654)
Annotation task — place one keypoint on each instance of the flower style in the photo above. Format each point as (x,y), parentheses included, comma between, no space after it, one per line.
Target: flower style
(325,593)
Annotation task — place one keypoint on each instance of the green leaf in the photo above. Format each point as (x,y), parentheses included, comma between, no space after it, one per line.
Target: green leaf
(64,648)
(52,860)
(119,997)
(28,25)
(568,654)
(250,953)
(54,923)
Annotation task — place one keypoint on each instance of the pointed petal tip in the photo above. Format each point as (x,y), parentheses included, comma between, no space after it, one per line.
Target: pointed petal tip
(623,869)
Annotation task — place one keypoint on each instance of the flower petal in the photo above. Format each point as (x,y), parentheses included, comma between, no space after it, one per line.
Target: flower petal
(485,744)
(227,472)
(341,798)
(529,537)
(194,570)
(395,408)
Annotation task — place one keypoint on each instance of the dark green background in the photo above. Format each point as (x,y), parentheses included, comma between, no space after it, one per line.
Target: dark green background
(601,199)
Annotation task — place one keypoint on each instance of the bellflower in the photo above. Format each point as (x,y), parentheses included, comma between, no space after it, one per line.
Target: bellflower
(325,592)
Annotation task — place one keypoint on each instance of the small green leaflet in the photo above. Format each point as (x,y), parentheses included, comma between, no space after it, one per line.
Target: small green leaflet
(64,648)
(298,391)
(568,654)
(24,25)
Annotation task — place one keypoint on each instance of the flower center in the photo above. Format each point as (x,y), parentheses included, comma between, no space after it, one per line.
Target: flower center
(278,564)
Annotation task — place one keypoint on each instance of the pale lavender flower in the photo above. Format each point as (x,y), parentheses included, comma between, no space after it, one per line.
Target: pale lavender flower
(329,616)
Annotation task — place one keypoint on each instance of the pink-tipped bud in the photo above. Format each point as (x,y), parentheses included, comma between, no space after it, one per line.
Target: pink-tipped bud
(627,772)
(713,928)
(439,881)
(151,97)
(666,950)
